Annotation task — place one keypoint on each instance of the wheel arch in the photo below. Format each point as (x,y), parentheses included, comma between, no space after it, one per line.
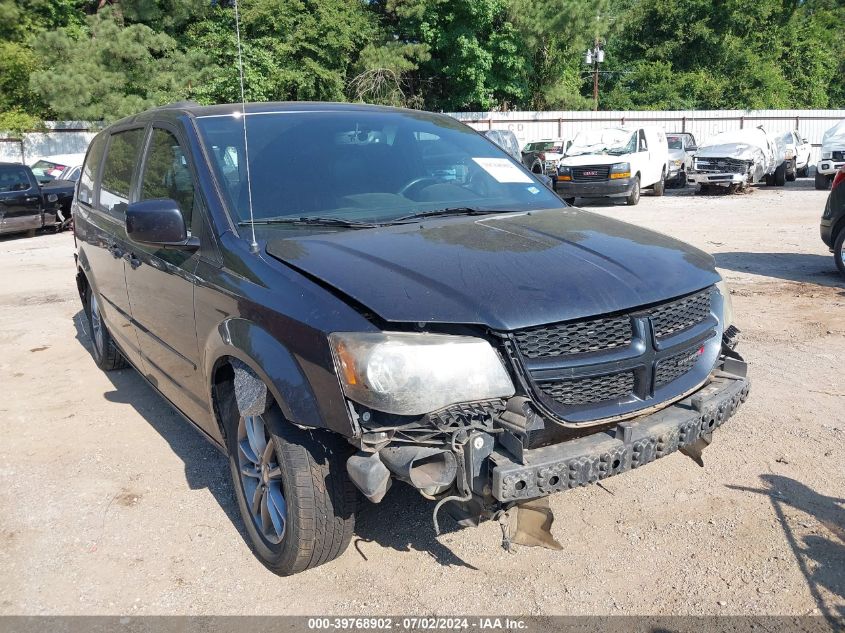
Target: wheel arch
(238,339)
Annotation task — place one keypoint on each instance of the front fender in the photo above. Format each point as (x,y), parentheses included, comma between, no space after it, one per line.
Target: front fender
(277,368)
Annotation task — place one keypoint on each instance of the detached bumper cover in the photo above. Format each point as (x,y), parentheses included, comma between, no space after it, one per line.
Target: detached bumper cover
(596,189)
(632,444)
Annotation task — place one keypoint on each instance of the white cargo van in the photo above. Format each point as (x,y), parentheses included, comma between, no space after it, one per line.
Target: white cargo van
(613,162)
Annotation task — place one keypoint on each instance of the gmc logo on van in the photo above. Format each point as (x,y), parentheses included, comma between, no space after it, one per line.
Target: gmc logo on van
(591,173)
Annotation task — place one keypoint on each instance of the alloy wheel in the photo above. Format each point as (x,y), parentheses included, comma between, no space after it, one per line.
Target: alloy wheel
(97,327)
(261,478)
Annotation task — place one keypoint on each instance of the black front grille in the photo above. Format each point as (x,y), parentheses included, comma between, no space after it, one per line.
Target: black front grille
(589,390)
(589,173)
(610,366)
(838,155)
(674,317)
(564,339)
(675,366)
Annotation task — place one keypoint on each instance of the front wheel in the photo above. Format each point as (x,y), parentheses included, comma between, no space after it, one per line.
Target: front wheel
(293,492)
(839,251)
(822,182)
(634,197)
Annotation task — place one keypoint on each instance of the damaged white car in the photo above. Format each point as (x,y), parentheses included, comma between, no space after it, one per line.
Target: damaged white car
(738,158)
(832,156)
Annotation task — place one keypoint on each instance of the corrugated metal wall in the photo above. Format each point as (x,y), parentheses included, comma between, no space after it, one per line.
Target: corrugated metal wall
(529,126)
(73,136)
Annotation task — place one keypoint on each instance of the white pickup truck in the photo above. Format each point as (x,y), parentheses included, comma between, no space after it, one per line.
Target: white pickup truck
(832,156)
(738,158)
(615,163)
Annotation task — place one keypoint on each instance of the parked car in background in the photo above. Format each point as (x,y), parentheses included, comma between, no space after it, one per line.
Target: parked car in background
(832,155)
(436,317)
(797,152)
(542,156)
(58,167)
(614,162)
(738,158)
(505,139)
(833,220)
(682,147)
(26,206)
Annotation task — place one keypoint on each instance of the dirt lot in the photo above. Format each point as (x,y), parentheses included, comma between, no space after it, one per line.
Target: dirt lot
(111,504)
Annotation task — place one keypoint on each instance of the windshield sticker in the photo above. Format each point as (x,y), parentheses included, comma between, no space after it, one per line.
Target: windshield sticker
(533,190)
(502,170)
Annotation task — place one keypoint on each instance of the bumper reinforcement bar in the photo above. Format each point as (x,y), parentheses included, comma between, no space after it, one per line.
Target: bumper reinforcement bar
(630,445)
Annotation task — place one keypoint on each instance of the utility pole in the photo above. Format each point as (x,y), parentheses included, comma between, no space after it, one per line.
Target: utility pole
(594,57)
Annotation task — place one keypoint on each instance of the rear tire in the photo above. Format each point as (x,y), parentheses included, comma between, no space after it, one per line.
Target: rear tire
(105,352)
(297,479)
(822,182)
(804,171)
(792,174)
(839,251)
(634,197)
(660,186)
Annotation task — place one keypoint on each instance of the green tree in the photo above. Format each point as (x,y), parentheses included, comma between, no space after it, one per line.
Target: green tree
(113,71)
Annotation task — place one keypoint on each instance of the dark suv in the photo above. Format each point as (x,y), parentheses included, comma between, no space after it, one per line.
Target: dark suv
(343,295)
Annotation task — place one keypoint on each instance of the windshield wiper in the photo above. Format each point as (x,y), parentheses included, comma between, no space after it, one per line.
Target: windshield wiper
(315,221)
(446,211)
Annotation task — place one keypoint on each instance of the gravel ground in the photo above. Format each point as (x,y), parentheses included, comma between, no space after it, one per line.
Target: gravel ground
(111,504)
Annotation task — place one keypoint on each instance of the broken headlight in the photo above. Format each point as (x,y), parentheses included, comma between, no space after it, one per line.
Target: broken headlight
(414,373)
(727,304)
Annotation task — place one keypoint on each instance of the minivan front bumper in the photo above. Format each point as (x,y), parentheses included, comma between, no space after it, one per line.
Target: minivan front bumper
(544,471)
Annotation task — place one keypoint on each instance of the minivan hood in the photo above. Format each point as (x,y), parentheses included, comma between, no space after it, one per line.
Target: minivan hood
(503,271)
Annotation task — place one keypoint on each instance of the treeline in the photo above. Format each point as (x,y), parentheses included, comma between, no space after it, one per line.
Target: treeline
(103,59)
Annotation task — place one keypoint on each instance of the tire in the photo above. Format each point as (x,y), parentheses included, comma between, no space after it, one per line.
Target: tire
(770,180)
(682,180)
(634,197)
(537,168)
(306,501)
(660,186)
(804,171)
(569,201)
(30,233)
(105,352)
(780,175)
(822,182)
(792,174)
(839,251)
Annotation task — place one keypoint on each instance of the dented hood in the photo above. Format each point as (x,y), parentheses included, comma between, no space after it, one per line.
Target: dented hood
(834,138)
(739,144)
(503,271)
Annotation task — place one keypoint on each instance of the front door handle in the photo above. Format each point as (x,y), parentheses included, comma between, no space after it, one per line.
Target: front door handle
(31,198)
(133,261)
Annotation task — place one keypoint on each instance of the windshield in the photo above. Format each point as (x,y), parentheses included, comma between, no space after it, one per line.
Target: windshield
(614,141)
(364,165)
(45,170)
(544,146)
(675,142)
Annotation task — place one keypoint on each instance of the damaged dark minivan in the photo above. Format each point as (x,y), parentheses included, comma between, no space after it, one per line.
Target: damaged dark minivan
(343,296)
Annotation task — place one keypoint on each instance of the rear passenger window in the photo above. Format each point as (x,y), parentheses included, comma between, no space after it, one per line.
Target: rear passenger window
(121,158)
(166,173)
(91,169)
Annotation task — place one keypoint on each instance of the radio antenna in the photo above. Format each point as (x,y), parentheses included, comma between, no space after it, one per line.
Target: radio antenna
(254,244)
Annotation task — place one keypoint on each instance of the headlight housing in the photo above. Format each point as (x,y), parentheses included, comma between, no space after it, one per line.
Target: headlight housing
(620,170)
(727,304)
(564,172)
(409,373)
(827,155)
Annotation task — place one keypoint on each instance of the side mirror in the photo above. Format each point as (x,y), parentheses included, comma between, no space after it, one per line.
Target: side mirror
(692,148)
(158,223)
